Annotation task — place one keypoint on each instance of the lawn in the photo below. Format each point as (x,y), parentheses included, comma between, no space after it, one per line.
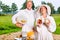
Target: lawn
(6,25)
(57,20)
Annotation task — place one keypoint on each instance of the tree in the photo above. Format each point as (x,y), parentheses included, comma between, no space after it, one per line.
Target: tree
(52,8)
(14,7)
(5,8)
(0,4)
(24,5)
(43,2)
(58,10)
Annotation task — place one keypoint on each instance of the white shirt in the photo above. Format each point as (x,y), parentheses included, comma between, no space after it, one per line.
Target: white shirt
(30,19)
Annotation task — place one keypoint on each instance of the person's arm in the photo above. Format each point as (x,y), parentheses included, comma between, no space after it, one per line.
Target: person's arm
(51,25)
(14,20)
(19,24)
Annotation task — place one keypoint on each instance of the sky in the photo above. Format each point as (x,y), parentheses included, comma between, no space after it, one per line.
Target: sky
(56,3)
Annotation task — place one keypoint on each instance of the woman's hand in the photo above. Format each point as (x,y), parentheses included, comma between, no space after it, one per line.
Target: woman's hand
(19,24)
(47,23)
(39,22)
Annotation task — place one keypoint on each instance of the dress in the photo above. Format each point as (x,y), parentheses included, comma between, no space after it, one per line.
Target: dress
(45,33)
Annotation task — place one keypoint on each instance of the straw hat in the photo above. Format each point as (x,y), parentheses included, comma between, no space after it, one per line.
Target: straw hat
(28,0)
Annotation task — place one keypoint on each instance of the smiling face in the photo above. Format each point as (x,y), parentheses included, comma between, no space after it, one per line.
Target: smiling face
(29,5)
(43,10)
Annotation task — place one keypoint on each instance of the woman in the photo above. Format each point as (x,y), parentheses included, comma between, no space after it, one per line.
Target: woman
(45,23)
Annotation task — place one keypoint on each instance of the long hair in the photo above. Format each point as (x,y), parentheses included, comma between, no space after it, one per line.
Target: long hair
(24,5)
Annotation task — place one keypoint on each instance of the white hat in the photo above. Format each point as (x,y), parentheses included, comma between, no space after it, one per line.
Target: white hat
(48,9)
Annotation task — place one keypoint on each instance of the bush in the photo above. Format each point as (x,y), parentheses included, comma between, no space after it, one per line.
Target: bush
(2,14)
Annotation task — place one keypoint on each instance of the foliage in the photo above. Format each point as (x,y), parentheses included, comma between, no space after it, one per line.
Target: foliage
(58,10)
(5,8)
(14,7)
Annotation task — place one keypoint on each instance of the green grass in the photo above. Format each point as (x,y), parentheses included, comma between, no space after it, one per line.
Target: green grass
(57,20)
(7,27)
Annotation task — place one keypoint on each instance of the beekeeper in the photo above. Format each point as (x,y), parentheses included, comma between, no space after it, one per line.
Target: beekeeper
(28,13)
(45,23)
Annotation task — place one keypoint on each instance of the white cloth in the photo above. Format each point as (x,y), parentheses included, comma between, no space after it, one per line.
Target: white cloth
(30,19)
(48,9)
(45,33)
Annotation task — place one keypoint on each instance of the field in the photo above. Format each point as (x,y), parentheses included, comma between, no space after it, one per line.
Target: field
(7,27)
(57,20)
